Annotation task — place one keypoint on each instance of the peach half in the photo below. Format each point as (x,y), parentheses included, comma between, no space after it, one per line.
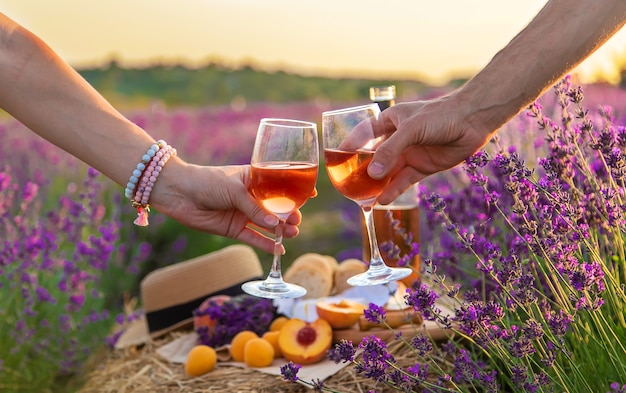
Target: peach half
(341,315)
(305,342)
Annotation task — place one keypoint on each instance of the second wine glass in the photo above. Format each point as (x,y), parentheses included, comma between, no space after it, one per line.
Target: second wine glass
(283,173)
(349,143)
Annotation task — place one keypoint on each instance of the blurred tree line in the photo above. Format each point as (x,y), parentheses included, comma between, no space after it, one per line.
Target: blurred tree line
(213,84)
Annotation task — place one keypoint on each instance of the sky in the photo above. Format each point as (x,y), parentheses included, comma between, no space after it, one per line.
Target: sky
(428,40)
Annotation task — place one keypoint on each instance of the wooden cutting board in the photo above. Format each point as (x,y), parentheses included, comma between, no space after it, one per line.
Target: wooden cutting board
(437,333)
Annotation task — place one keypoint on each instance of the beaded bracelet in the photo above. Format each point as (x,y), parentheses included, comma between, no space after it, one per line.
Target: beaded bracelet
(141,166)
(148,180)
(151,165)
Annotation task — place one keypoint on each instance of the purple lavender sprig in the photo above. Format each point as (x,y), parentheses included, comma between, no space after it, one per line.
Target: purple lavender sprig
(552,267)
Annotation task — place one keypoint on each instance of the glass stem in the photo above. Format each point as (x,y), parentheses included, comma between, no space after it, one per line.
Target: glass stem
(275,276)
(377,264)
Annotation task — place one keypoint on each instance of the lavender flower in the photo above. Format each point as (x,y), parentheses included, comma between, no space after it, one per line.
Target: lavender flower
(616,388)
(344,352)
(290,371)
(376,358)
(422,344)
(423,299)
(375,313)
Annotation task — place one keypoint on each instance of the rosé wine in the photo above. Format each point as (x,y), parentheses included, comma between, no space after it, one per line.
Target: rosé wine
(282,187)
(348,173)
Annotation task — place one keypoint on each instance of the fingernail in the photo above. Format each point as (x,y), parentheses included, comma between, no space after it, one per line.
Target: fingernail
(271,221)
(376,169)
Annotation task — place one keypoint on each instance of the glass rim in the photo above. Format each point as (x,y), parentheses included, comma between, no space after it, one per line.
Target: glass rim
(351,109)
(281,122)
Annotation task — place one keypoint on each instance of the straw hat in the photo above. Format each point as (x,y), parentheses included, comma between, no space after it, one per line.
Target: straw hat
(170,294)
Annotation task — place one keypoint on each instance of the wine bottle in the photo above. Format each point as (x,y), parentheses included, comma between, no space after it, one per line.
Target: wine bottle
(384,96)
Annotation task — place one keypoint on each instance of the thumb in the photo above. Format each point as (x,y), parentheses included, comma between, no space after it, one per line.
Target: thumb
(241,199)
(248,205)
(257,214)
(386,156)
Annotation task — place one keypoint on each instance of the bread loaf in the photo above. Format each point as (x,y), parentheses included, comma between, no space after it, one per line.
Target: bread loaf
(331,263)
(314,272)
(345,270)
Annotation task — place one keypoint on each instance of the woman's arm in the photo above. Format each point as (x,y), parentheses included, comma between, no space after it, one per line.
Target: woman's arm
(44,93)
(53,100)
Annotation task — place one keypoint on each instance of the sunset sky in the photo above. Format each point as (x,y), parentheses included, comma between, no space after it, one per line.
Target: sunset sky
(430,40)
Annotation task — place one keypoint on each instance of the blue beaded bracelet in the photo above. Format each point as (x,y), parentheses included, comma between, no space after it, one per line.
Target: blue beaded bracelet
(129,191)
(147,182)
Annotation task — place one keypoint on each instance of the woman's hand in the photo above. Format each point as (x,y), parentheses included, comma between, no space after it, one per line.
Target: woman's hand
(216,200)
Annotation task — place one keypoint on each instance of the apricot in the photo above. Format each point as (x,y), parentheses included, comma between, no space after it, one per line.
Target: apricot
(277,323)
(341,315)
(258,352)
(272,338)
(305,342)
(200,360)
(238,344)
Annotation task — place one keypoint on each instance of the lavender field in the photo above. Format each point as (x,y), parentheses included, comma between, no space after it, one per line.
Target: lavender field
(69,251)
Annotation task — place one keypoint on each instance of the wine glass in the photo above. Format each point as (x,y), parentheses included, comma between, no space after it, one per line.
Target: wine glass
(283,174)
(349,145)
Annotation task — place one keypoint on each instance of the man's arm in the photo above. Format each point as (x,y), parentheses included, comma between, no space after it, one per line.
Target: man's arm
(427,137)
(561,36)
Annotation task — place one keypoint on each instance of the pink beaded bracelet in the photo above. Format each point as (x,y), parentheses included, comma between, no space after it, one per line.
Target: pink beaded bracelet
(141,167)
(146,182)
